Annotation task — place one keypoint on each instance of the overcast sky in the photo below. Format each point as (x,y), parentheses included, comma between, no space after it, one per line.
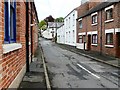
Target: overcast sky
(56,8)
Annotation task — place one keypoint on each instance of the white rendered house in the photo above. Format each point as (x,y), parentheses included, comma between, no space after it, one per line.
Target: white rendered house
(70,26)
(61,34)
(50,32)
(47,33)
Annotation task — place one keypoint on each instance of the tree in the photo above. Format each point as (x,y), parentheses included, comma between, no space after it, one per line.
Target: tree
(42,24)
(49,19)
(60,19)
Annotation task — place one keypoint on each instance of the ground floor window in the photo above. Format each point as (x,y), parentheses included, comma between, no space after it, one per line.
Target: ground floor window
(80,39)
(84,38)
(109,38)
(94,39)
(10,22)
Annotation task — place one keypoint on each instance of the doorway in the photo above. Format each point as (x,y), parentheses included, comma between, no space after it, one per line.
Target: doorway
(89,42)
(118,44)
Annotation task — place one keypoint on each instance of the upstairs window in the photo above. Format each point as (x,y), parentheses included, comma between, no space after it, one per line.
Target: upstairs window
(94,19)
(10,22)
(73,19)
(109,38)
(109,14)
(80,23)
(66,23)
(69,22)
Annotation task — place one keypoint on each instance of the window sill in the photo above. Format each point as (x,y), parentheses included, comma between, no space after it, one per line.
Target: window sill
(109,20)
(94,44)
(94,24)
(109,46)
(11,47)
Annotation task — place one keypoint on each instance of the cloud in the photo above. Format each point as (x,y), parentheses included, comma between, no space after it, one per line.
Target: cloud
(56,8)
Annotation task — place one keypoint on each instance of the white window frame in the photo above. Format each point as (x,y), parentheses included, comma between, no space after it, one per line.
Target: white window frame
(107,39)
(80,20)
(110,7)
(95,38)
(92,15)
(80,38)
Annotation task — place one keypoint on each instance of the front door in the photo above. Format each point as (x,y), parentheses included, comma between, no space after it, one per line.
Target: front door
(89,42)
(118,44)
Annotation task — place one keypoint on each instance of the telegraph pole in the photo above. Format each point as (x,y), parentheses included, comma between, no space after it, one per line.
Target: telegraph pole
(55,31)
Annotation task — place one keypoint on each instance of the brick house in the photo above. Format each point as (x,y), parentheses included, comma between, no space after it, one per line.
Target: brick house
(81,26)
(17,26)
(100,28)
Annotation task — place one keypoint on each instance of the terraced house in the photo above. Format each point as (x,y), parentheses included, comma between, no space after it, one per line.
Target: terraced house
(18,40)
(99,27)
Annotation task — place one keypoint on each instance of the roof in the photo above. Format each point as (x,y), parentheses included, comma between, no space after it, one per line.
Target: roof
(98,8)
(54,24)
(34,7)
(70,12)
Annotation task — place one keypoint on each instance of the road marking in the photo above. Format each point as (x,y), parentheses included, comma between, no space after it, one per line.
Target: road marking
(88,71)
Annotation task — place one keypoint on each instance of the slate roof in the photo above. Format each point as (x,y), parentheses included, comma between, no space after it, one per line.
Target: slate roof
(98,8)
(54,24)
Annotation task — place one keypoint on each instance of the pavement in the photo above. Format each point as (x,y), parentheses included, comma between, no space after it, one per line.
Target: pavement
(35,79)
(110,60)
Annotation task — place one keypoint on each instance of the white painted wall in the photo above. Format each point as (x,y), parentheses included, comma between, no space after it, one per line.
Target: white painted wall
(47,33)
(61,35)
(81,46)
(70,28)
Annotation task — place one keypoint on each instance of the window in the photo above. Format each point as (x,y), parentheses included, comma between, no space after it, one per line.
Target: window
(73,19)
(84,38)
(10,22)
(80,23)
(109,38)
(73,35)
(69,22)
(66,36)
(69,37)
(94,19)
(80,39)
(109,14)
(94,38)
(66,23)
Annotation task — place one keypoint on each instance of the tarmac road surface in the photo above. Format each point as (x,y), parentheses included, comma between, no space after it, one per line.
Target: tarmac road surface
(69,70)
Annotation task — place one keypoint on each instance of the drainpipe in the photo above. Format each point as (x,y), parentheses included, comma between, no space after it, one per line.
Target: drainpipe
(101,33)
(31,31)
(27,36)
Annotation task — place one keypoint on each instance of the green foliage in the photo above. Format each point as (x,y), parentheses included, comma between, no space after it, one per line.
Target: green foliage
(60,19)
(42,24)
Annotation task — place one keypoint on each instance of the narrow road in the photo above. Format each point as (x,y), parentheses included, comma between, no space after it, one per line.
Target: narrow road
(69,70)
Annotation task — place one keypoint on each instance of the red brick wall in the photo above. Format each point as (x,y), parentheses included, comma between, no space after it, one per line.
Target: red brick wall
(81,10)
(35,34)
(13,62)
(1,39)
(111,25)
